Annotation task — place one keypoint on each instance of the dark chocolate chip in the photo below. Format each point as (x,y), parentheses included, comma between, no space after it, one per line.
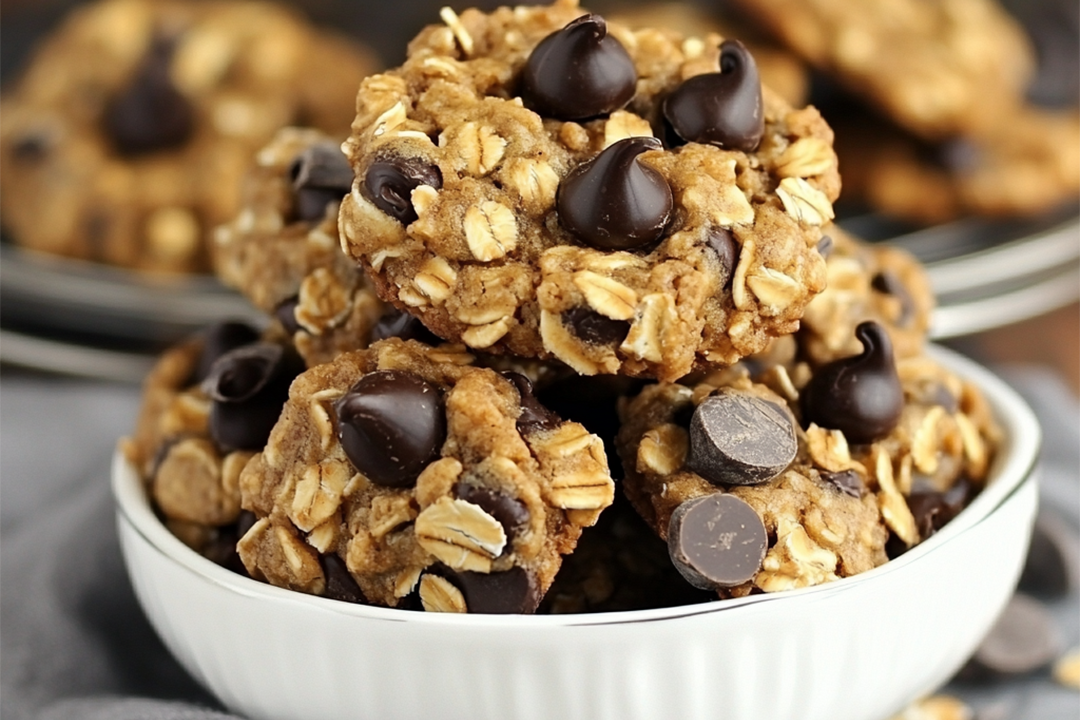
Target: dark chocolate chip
(716,541)
(340,584)
(285,312)
(389,184)
(932,509)
(721,108)
(825,246)
(848,482)
(510,512)
(391,425)
(593,327)
(614,201)
(887,282)
(1053,560)
(249,386)
(511,591)
(578,72)
(320,175)
(220,339)
(859,395)
(1022,640)
(150,114)
(534,416)
(395,323)
(722,242)
(737,438)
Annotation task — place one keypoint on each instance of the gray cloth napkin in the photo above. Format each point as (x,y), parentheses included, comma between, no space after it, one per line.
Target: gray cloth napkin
(75,644)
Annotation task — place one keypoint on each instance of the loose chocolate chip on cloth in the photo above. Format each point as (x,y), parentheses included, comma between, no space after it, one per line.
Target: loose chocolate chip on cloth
(76,645)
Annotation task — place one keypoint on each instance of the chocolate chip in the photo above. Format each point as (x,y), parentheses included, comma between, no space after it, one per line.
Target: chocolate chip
(887,282)
(249,386)
(825,246)
(1053,560)
(614,201)
(285,312)
(510,512)
(150,114)
(389,184)
(932,509)
(534,416)
(848,482)
(593,327)
(722,242)
(578,72)
(320,175)
(340,584)
(1022,640)
(395,323)
(740,439)
(391,425)
(859,395)
(716,541)
(511,591)
(219,339)
(721,108)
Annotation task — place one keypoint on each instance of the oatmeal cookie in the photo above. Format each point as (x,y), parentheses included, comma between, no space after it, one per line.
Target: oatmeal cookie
(208,405)
(425,477)
(125,140)
(796,479)
(937,67)
(538,182)
(282,252)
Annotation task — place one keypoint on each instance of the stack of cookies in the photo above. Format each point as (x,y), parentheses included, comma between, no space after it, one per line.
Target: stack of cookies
(565,283)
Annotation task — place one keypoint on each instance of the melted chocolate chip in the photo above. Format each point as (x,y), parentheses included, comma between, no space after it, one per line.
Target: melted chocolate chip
(888,283)
(340,584)
(150,114)
(511,591)
(249,386)
(391,425)
(220,339)
(593,327)
(389,184)
(722,242)
(859,395)
(848,482)
(320,175)
(740,439)
(395,323)
(721,108)
(716,541)
(614,201)
(534,416)
(285,312)
(510,512)
(578,72)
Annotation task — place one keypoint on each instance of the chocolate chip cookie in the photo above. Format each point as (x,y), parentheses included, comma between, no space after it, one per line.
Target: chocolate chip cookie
(791,479)
(125,140)
(411,477)
(539,182)
(208,406)
(282,249)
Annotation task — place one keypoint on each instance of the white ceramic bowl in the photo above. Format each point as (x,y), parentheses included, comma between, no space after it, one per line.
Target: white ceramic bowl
(858,648)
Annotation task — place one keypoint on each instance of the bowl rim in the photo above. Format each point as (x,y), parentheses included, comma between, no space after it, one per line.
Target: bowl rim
(1011,470)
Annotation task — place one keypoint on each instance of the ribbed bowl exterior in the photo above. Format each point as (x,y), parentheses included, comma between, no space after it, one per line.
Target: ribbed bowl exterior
(858,648)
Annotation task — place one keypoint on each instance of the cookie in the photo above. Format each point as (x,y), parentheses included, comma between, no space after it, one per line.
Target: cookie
(208,405)
(519,210)
(430,480)
(937,69)
(798,478)
(866,282)
(282,252)
(780,70)
(125,140)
